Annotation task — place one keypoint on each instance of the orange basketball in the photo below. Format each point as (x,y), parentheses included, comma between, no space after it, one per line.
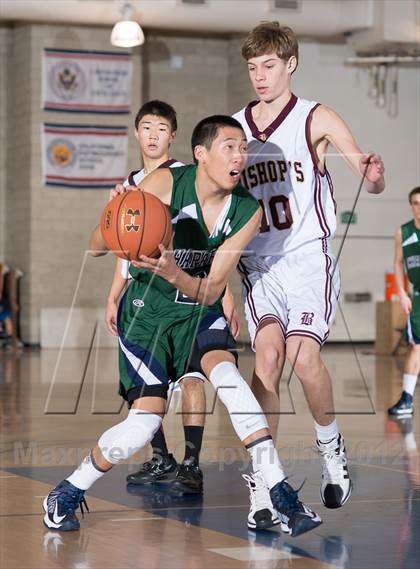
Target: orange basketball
(135,223)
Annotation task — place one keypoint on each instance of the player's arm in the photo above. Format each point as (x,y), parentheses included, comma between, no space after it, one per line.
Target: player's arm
(230,312)
(117,286)
(204,290)
(399,272)
(327,125)
(158,183)
(97,245)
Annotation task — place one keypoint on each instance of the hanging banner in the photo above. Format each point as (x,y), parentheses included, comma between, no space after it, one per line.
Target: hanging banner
(83,156)
(86,81)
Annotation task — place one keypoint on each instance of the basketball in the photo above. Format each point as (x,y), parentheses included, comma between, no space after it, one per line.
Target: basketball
(134,224)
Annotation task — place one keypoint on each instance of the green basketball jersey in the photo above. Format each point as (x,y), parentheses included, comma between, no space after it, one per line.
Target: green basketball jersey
(194,247)
(410,241)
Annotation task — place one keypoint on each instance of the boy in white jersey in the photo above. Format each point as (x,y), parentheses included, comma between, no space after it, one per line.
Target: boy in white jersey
(290,283)
(155,129)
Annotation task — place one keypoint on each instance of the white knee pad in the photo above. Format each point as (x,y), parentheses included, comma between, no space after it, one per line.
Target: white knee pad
(245,412)
(123,440)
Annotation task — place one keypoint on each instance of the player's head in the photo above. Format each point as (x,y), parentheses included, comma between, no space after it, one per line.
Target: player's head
(414,199)
(155,128)
(272,54)
(220,150)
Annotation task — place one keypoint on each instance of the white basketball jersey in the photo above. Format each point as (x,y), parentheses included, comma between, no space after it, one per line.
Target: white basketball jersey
(134,179)
(281,174)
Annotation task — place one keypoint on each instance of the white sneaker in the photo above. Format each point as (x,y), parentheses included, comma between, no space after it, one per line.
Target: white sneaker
(336,485)
(261,515)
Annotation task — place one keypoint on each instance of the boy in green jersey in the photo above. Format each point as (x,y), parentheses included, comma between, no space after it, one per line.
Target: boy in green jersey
(170,321)
(407,256)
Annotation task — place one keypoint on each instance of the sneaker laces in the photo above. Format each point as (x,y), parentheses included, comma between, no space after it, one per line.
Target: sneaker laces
(333,461)
(287,498)
(71,500)
(258,491)
(150,463)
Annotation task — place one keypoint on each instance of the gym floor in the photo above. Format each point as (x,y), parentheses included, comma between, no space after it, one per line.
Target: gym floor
(49,419)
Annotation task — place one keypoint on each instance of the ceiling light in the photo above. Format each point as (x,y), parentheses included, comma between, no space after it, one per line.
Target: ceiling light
(127,32)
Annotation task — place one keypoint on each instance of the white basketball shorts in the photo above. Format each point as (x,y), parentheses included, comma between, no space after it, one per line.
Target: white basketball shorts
(299,291)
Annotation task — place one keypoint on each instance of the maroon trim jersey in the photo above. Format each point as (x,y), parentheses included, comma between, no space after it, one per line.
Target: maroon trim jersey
(282,174)
(135,177)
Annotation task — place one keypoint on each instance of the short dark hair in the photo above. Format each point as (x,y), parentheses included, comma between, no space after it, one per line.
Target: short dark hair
(207,130)
(158,109)
(413,193)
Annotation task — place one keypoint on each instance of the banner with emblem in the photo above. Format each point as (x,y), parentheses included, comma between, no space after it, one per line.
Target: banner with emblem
(83,156)
(86,81)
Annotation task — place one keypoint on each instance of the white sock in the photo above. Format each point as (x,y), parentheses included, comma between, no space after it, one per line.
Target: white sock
(325,433)
(266,459)
(409,383)
(85,475)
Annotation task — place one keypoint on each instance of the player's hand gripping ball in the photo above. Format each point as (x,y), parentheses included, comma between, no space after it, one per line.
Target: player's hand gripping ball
(135,223)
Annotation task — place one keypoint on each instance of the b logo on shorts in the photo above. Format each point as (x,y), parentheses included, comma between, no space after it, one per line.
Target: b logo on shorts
(307,318)
(139,303)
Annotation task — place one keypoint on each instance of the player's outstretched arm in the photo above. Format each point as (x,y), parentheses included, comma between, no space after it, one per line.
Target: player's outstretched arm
(117,286)
(204,290)
(399,273)
(327,125)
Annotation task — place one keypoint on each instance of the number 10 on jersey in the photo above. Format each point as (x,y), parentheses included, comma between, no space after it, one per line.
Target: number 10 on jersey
(279,211)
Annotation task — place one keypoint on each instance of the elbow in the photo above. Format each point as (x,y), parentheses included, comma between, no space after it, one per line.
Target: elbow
(95,253)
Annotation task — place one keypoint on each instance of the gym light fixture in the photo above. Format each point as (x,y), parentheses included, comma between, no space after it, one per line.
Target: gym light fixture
(127,32)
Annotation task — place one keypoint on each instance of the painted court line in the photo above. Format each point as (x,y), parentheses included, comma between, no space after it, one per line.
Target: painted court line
(258,553)
(262,553)
(155,518)
(389,468)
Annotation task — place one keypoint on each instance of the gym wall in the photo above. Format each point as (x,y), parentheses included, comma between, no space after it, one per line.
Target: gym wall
(45,231)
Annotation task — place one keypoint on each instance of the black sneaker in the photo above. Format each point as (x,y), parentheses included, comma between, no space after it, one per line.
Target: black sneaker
(404,405)
(60,505)
(189,478)
(157,469)
(295,517)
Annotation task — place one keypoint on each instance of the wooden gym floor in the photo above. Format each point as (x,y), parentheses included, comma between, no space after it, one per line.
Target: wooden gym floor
(149,527)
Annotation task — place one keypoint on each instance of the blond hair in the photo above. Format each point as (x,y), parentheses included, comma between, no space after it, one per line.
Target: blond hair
(270,37)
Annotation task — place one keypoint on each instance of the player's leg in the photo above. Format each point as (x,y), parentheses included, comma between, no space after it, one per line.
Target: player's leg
(144,378)
(189,477)
(304,355)
(269,362)
(115,445)
(265,311)
(251,426)
(404,406)
(311,285)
